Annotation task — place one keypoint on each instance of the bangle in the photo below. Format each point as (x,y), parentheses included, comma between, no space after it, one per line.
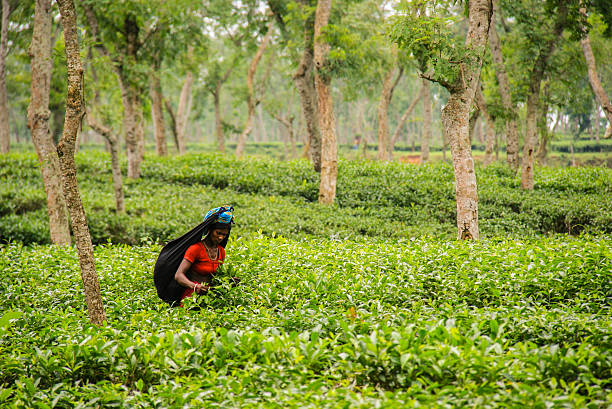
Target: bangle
(194,286)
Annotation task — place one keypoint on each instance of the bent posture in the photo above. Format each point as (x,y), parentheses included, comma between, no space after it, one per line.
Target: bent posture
(202,259)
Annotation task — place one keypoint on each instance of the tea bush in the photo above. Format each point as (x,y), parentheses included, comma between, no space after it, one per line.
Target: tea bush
(317,323)
(373,199)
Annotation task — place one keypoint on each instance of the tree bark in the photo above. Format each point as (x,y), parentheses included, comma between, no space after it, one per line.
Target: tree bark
(5,132)
(384,151)
(157,110)
(304,82)
(113,142)
(512,138)
(252,98)
(287,123)
(427,118)
(182,113)
(65,150)
(38,122)
(329,148)
(598,89)
(533,100)
(490,127)
(455,118)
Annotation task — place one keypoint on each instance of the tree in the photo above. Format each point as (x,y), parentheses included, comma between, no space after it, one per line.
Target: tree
(426,133)
(512,137)
(5,138)
(157,112)
(65,152)
(38,122)
(391,79)
(598,90)
(130,34)
(545,42)
(251,97)
(444,60)
(329,148)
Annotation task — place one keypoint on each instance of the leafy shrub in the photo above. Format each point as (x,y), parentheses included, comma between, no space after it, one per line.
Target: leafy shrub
(319,323)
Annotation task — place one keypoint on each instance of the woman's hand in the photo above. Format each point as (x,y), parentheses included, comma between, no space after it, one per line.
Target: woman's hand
(201,288)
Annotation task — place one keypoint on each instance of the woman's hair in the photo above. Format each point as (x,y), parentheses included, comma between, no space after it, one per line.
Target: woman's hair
(220,226)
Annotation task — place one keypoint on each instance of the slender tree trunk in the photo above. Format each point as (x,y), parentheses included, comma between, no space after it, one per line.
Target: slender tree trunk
(157,110)
(597,124)
(65,150)
(329,147)
(113,148)
(132,117)
(304,82)
(5,132)
(218,121)
(455,118)
(252,98)
(404,117)
(182,113)
(512,138)
(172,116)
(427,118)
(544,135)
(598,90)
(533,100)
(490,127)
(262,125)
(38,122)
(384,152)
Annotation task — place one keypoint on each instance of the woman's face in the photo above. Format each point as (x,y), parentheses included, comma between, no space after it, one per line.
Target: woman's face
(218,235)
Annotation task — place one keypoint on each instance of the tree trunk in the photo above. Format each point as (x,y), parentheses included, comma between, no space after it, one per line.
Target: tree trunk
(329,148)
(157,111)
(218,121)
(132,124)
(597,124)
(402,120)
(490,127)
(427,118)
(384,152)
(252,98)
(113,149)
(533,100)
(38,122)
(65,150)
(598,90)
(455,118)
(172,116)
(512,138)
(5,132)
(304,82)
(182,113)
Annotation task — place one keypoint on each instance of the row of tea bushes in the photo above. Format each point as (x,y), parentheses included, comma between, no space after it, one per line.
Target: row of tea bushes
(319,323)
(374,199)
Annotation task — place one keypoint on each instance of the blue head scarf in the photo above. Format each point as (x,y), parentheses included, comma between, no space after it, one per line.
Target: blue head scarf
(224,214)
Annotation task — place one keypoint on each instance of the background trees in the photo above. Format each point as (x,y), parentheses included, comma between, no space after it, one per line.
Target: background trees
(154,69)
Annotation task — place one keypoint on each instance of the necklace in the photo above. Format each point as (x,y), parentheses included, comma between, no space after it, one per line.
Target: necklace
(212,253)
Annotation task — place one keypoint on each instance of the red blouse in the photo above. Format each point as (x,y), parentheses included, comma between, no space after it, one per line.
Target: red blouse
(200,262)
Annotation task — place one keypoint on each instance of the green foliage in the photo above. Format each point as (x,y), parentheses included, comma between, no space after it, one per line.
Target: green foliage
(322,323)
(373,199)
(430,34)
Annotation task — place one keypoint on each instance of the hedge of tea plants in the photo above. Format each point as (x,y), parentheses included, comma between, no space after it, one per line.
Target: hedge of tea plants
(373,199)
(318,323)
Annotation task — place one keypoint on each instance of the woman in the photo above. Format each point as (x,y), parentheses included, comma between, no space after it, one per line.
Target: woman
(202,259)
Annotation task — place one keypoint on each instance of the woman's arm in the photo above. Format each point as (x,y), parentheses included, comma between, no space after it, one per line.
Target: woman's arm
(181,277)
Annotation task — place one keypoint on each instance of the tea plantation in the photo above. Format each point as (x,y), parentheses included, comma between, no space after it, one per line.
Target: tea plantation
(369,303)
